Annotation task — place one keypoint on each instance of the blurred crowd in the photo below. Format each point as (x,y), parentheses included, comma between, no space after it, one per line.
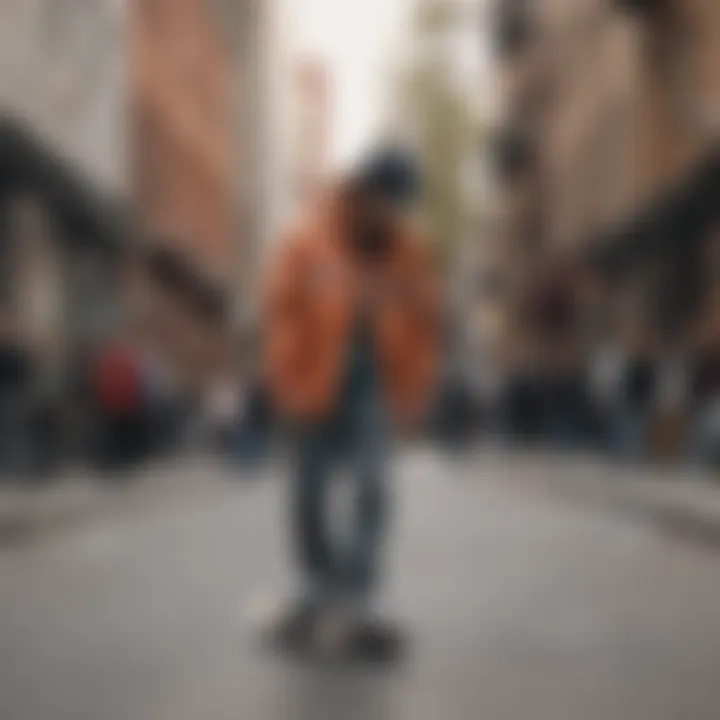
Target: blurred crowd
(628,392)
(587,369)
(168,375)
(618,381)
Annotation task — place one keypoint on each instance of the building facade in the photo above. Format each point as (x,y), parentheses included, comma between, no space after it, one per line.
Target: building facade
(563,143)
(667,238)
(607,107)
(62,71)
(181,119)
(62,167)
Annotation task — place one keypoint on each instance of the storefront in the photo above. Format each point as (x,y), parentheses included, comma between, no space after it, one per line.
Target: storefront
(61,242)
(661,251)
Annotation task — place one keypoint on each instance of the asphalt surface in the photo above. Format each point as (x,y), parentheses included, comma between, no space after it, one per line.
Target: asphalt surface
(522,599)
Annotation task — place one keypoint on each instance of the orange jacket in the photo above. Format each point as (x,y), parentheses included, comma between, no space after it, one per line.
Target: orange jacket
(313,290)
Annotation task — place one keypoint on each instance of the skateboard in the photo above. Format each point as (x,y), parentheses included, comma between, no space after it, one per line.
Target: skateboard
(371,641)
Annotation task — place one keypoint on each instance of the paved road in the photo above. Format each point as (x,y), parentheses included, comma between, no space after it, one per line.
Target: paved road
(524,602)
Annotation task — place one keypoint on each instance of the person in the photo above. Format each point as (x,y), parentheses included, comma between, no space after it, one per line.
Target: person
(559,379)
(251,435)
(159,393)
(15,381)
(118,400)
(638,395)
(704,435)
(350,351)
(606,371)
(47,409)
(223,401)
(627,384)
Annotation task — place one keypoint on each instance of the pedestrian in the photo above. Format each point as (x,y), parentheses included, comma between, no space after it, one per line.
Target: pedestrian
(352,340)
(638,396)
(15,381)
(159,394)
(249,439)
(704,434)
(119,404)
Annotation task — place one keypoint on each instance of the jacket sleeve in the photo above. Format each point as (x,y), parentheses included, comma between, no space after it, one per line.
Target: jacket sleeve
(419,353)
(280,318)
(428,312)
(427,296)
(287,350)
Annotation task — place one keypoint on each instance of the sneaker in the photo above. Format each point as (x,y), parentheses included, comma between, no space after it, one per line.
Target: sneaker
(290,627)
(378,642)
(347,636)
(334,632)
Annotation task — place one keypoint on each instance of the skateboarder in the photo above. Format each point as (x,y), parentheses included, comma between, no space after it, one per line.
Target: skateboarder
(352,337)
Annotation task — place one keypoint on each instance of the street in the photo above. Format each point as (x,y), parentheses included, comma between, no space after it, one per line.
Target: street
(523,600)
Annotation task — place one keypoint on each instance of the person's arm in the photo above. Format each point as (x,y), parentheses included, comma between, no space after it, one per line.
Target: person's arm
(423,311)
(428,296)
(279,304)
(286,333)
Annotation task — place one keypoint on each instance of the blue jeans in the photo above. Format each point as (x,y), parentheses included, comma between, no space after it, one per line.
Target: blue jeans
(358,434)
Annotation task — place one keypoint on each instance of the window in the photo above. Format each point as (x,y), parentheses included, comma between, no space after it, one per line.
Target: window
(513,26)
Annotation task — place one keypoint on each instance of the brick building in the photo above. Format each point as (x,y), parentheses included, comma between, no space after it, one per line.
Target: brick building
(661,245)
(62,167)
(182,127)
(610,116)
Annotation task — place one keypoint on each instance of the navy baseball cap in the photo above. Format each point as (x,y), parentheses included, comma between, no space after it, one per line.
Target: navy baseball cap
(391,174)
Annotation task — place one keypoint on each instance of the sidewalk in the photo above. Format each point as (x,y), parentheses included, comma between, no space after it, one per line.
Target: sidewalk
(680,500)
(676,498)
(686,502)
(29,509)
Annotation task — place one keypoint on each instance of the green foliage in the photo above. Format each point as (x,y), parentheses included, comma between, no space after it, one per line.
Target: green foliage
(439,116)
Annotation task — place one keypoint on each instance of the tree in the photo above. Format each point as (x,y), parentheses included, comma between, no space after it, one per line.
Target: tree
(432,112)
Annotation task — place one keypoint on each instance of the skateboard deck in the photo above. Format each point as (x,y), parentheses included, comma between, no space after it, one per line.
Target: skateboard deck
(365,642)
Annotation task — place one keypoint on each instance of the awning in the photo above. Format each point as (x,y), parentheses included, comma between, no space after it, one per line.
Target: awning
(674,224)
(175,273)
(28,163)
(665,238)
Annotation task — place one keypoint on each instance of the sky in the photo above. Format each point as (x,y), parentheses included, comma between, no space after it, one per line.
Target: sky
(357,39)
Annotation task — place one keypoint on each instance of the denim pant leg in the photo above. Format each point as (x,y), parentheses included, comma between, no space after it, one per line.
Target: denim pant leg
(370,453)
(311,531)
